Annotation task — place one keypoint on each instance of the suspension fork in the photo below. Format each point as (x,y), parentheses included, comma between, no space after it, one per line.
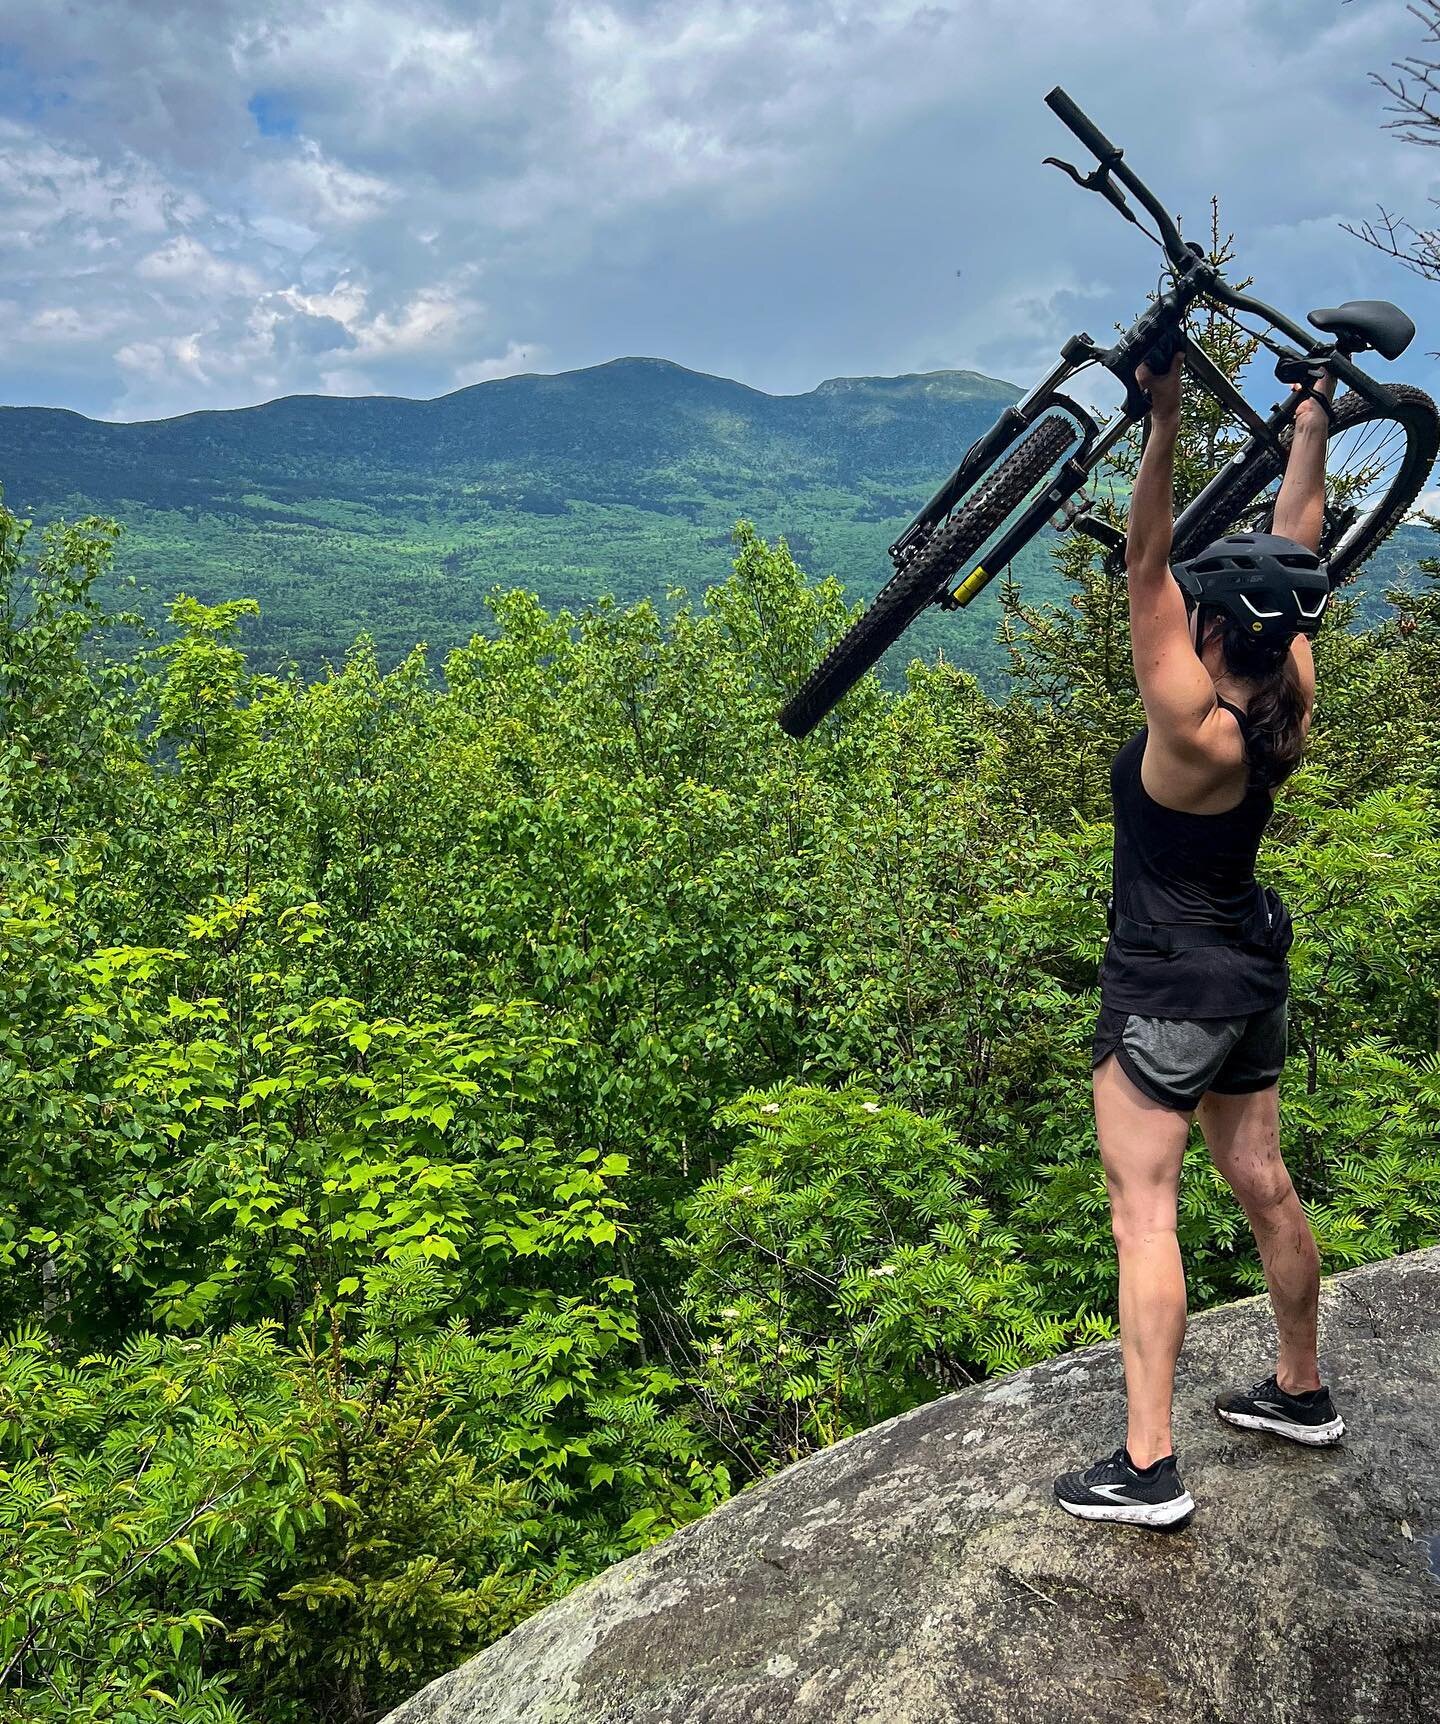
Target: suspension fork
(1054,505)
(1078,351)
(982,454)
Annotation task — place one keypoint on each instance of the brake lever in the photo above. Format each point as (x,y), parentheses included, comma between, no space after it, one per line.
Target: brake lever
(1097,180)
(1069,168)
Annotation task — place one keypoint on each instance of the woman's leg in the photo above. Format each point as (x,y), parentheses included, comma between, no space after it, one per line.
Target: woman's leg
(1141,1147)
(1242,1133)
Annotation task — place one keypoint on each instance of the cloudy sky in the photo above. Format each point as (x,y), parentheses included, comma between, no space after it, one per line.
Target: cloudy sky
(208,203)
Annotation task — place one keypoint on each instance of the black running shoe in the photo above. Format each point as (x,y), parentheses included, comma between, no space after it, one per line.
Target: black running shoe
(1116,1489)
(1309,1418)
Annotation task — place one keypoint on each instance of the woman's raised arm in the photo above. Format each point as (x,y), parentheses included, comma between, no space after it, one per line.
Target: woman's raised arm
(1175,687)
(1300,509)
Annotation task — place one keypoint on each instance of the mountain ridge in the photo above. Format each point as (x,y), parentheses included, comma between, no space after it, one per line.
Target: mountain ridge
(395,516)
(515,418)
(842,383)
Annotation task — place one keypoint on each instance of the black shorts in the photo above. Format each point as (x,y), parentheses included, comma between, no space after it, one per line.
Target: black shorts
(1175,1060)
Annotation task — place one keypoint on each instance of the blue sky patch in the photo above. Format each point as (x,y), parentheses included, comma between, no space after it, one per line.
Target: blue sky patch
(22,96)
(273,114)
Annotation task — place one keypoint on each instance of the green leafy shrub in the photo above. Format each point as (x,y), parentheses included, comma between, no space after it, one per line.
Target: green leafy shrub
(844,1268)
(136,1492)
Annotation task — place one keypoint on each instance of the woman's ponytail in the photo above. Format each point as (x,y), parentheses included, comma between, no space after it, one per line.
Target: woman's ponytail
(1276,709)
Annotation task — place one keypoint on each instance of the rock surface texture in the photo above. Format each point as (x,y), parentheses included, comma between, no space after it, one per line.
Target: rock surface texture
(920,1573)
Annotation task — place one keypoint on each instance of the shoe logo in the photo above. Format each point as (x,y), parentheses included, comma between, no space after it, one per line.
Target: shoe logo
(1112,1493)
(1270,1407)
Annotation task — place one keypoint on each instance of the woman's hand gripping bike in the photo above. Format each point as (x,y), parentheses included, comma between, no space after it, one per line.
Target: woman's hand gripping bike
(1033,464)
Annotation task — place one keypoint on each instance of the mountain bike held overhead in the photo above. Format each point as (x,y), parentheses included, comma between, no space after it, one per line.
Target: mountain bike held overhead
(1224,602)
(1033,466)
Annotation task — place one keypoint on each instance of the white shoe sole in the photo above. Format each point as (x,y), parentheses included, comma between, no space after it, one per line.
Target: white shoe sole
(1312,1436)
(1134,1514)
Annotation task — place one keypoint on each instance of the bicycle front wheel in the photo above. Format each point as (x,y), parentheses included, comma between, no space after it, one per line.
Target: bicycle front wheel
(1377,462)
(921,581)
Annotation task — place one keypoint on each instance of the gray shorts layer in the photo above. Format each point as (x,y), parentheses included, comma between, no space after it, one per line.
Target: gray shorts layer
(1174,1061)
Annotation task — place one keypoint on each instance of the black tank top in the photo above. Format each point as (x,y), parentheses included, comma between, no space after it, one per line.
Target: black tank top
(1171,867)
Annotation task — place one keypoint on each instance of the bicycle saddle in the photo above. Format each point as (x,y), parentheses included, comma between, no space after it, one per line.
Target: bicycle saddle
(1360,323)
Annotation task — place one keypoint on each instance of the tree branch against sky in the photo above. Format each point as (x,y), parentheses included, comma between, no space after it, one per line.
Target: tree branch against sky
(1413,86)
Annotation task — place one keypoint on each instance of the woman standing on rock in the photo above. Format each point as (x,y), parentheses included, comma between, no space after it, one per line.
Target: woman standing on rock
(1195,981)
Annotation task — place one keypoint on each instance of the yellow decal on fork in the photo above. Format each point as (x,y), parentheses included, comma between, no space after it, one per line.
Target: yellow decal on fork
(970,586)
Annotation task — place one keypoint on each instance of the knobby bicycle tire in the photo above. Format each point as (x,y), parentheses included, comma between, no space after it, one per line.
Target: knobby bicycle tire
(919,583)
(1413,410)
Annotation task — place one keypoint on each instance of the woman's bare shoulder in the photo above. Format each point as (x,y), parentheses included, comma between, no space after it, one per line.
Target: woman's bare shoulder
(1202,764)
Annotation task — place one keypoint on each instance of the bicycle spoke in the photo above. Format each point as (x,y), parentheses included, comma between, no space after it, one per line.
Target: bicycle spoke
(1362,463)
(1385,431)
(1371,459)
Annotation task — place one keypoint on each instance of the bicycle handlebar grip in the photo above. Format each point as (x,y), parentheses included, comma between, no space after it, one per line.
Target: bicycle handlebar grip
(1083,127)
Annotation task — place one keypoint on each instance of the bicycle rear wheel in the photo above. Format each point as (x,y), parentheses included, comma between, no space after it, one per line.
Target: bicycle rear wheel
(1377,463)
(920,582)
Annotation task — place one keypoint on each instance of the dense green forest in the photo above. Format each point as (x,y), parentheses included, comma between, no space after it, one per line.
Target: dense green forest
(464,1118)
(397,518)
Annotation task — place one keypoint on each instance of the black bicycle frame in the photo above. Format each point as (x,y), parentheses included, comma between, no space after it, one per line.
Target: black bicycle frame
(1195,278)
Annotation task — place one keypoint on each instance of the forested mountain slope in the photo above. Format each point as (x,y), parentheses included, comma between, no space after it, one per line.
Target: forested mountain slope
(396,517)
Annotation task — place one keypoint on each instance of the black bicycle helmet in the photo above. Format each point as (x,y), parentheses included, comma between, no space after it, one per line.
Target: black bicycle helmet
(1274,587)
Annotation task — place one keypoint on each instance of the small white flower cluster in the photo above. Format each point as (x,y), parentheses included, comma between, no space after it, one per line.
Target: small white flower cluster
(884,1269)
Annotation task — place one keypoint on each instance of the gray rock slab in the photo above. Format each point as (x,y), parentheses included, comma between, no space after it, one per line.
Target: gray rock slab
(920,1572)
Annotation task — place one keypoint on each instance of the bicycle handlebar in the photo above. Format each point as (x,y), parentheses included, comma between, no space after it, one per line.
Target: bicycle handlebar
(1082,125)
(1187,258)
(1109,156)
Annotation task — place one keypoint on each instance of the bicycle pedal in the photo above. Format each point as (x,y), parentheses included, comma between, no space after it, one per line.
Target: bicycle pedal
(1104,533)
(1299,368)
